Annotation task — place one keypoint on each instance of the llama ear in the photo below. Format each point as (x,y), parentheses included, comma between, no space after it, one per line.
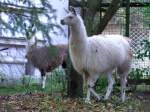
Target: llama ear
(72,9)
(35,41)
(66,10)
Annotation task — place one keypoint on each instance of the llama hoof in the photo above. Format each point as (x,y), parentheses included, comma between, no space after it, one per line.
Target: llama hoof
(98,98)
(88,101)
(105,99)
(122,100)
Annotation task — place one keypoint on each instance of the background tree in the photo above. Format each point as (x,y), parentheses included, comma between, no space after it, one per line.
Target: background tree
(25,15)
(94,20)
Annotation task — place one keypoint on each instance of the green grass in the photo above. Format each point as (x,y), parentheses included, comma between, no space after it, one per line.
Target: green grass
(143,87)
(9,90)
(52,85)
(55,82)
(34,88)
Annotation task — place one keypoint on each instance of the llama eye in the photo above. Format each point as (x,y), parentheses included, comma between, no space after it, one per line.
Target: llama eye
(70,17)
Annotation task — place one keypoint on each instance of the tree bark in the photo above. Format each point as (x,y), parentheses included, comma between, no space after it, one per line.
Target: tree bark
(75,82)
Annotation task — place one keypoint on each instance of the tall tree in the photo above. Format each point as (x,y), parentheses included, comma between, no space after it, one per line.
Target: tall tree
(92,13)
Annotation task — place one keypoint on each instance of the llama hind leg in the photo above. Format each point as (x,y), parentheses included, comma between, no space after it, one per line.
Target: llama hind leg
(94,93)
(124,71)
(87,100)
(110,86)
(123,81)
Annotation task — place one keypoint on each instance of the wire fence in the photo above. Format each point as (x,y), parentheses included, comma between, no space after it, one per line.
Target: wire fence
(139,31)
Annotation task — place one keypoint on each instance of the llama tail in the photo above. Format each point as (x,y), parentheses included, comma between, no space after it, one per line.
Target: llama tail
(128,40)
(130,50)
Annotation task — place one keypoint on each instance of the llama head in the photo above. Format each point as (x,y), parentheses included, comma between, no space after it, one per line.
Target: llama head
(71,19)
(31,43)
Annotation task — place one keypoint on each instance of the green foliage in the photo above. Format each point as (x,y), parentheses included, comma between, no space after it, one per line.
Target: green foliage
(101,84)
(136,73)
(145,52)
(142,54)
(53,51)
(139,73)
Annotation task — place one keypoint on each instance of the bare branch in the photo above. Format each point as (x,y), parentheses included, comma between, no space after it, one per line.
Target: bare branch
(112,9)
(6,7)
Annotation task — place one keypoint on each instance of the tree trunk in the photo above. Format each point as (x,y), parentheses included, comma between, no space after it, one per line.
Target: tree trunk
(75,82)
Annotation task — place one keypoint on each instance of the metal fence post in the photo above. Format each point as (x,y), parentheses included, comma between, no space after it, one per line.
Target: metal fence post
(127,32)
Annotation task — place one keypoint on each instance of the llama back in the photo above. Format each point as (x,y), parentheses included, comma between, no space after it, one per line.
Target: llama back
(108,52)
(47,58)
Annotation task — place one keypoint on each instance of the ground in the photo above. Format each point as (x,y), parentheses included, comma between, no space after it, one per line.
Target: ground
(43,102)
(144,98)
(31,98)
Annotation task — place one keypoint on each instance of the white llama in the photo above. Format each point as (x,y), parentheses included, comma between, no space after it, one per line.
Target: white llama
(99,54)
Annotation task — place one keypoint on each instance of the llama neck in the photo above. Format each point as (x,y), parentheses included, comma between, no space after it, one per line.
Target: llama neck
(78,35)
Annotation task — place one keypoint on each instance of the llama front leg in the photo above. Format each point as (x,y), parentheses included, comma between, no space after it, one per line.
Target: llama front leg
(43,81)
(110,86)
(87,100)
(91,82)
(95,94)
(43,78)
(89,91)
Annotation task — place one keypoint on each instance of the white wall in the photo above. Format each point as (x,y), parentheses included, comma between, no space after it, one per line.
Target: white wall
(60,6)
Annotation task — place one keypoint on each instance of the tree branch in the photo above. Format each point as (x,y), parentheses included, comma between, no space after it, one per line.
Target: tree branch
(112,9)
(6,7)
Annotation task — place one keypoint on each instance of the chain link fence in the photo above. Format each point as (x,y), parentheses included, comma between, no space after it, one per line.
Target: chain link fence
(139,31)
